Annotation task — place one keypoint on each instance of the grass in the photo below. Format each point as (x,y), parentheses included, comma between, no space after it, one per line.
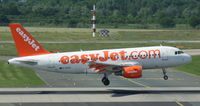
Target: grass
(10,50)
(67,34)
(14,76)
(193,67)
(160,35)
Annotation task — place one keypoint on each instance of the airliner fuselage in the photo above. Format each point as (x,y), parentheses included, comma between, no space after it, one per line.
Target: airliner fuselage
(147,57)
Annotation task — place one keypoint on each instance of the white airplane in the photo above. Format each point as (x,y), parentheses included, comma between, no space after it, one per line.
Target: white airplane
(126,62)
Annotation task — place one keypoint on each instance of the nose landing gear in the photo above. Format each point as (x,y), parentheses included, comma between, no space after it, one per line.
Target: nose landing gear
(165,77)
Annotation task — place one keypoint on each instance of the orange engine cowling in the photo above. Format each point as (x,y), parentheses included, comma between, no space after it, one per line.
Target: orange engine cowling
(132,71)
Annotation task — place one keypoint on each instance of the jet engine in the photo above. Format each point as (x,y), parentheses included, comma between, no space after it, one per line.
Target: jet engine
(130,72)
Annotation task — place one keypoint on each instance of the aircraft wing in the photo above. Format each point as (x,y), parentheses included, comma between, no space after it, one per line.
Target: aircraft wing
(103,67)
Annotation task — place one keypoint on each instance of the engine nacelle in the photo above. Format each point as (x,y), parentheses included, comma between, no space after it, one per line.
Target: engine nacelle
(132,72)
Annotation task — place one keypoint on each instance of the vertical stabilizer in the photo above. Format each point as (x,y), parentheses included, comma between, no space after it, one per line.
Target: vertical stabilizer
(26,45)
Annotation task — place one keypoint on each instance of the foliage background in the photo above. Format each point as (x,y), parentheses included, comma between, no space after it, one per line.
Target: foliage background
(77,13)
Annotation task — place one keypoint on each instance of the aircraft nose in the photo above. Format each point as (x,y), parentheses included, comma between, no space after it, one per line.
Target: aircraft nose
(188,58)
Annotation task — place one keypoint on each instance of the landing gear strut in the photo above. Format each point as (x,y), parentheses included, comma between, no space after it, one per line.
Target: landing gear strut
(165,77)
(105,80)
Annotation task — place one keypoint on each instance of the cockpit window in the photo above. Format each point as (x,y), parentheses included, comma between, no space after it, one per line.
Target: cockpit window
(178,52)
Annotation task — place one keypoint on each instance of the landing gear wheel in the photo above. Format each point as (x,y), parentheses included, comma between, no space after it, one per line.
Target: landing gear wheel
(165,77)
(105,81)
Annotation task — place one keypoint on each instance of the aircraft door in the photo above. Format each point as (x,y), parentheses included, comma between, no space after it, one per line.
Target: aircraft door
(52,63)
(164,57)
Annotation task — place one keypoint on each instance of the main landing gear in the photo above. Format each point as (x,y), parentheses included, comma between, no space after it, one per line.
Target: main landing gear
(165,77)
(105,80)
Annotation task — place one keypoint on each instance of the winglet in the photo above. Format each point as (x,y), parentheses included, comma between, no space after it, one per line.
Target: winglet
(26,45)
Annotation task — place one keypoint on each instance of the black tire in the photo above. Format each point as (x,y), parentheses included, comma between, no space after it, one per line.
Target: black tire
(165,77)
(105,81)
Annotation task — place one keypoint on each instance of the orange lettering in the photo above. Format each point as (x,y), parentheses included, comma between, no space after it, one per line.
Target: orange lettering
(154,53)
(114,56)
(142,54)
(122,53)
(105,58)
(93,57)
(133,54)
(84,58)
(64,59)
(74,59)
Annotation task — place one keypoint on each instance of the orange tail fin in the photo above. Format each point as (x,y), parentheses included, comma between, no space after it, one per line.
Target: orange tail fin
(26,45)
